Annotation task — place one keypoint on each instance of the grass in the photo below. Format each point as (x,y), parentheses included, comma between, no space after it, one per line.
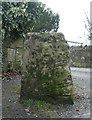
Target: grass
(39,107)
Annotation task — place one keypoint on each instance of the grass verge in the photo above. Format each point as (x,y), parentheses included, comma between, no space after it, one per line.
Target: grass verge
(40,108)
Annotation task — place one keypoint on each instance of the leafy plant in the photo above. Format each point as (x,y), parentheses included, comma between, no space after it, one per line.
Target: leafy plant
(18,18)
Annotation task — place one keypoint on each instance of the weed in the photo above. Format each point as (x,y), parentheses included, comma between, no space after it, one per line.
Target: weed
(39,107)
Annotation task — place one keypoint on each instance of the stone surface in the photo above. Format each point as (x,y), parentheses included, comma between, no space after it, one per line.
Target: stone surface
(12,54)
(46,73)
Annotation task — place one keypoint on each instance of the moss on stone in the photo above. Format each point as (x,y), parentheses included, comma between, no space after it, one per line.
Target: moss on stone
(46,70)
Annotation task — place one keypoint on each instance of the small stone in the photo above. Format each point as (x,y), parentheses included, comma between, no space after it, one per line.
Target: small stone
(15,102)
(9,100)
(28,114)
(36,90)
(35,115)
(27,110)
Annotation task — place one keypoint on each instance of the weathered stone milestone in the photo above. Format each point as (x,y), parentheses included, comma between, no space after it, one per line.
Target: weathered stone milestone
(46,73)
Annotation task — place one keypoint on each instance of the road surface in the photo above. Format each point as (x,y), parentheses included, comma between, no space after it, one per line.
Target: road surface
(81,78)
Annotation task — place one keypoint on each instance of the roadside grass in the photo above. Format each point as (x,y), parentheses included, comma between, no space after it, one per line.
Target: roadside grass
(39,108)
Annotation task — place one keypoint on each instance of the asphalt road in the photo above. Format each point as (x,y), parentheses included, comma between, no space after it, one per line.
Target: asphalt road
(81,78)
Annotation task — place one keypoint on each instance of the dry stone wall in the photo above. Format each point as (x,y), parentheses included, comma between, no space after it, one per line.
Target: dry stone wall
(80,56)
(12,55)
(46,73)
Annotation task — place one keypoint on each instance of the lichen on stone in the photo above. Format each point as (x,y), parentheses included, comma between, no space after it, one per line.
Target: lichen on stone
(46,71)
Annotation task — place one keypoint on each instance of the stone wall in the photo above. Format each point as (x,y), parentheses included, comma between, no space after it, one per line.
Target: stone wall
(46,73)
(80,56)
(13,55)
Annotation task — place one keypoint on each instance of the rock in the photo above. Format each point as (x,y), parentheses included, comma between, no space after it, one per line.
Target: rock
(28,114)
(46,73)
(27,110)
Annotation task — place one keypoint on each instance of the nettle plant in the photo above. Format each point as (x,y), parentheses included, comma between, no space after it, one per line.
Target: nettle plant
(46,72)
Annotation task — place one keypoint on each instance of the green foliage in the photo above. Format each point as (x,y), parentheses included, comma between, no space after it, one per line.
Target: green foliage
(88,26)
(19,18)
(36,103)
